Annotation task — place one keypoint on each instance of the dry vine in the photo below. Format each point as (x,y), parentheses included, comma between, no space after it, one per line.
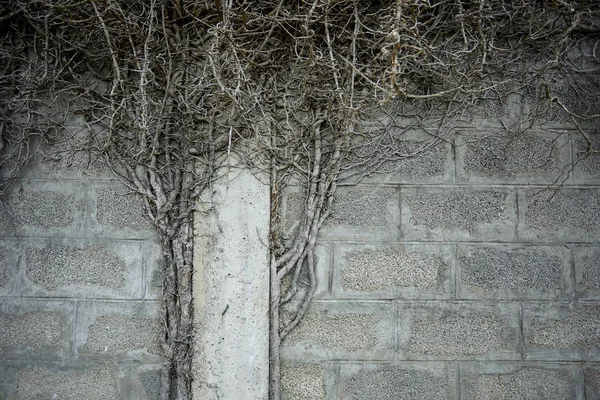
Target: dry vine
(177,82)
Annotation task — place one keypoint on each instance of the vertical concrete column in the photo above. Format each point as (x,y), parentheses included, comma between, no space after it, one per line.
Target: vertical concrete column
(231,290)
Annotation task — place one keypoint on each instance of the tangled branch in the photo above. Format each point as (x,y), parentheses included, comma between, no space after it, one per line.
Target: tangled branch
(168,87)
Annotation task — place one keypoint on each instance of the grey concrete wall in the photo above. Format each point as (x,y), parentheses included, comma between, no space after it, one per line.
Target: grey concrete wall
(231,289)
(79,287)
(458,275)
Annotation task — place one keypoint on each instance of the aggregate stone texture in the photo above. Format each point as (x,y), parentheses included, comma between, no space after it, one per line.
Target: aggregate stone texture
(119,213)
(77,317)
(91,384)
(117,330)
(568,213)
(562,331)
(526,383)
(587,165)
(359,330)
(4,260)
(60,266)
(587,272)
(363,212)
(446,214)
(361,207)
(145,382)
(447,331)
(514,272)
(519,158)
(395,271)
(302,382)
(40,207)
(415,161)
(119,333)
(37,328)
(396,381)
(591,378)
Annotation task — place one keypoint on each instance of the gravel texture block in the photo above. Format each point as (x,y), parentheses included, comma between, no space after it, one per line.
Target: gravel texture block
(84,268)
(587,165)
(347,331)
(67,156)
(515,381)
(591,378)
(145,382)
(390,381)
(9,266)
(458,331)
(416,161)
(540,157)
(117,213)
(42,209)
(561,331)
(587,272)
(300,381)
(8,381)
(457,214)
(572,214)
(35,329)
(393,271)
(363,212)
(154,267)
(119,330)
(96,383)
(514,272)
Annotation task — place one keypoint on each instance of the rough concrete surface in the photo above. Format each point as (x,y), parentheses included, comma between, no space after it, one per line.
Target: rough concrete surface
(231,286)
(397,381)
(480,281)
(75,318)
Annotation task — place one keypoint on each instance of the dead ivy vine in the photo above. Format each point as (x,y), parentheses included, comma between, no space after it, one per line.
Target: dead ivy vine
(311,91)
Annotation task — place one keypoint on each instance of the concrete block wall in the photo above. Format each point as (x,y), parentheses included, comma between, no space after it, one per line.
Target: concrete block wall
(469,272)
(79,286)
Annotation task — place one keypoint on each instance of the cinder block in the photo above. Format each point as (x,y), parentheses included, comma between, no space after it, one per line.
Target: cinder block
(587,272)
(498,157)
(9,266)
(302,381)
(566,213)
(35,329)
(591,378)
(145,382)
(117,213)
(68,155)
(487,381)
(322,259)
(42,209)
(457,214)
(514,272)
(357,212)
(458,331)
(154,265)
(121,330)
(70,383)
(586,165)
(83,268)
(393,271)
(346,331)
(9,376)
(417,161)
(388,381)
(561,331)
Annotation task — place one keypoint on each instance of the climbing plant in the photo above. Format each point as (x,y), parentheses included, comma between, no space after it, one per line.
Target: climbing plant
(308,91)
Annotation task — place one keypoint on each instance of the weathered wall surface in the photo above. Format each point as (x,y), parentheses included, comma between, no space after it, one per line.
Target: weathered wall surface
(231,289)
(458,275)
(79,289)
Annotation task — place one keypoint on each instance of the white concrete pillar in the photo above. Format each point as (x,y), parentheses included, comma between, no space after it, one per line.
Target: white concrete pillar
(231,290)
